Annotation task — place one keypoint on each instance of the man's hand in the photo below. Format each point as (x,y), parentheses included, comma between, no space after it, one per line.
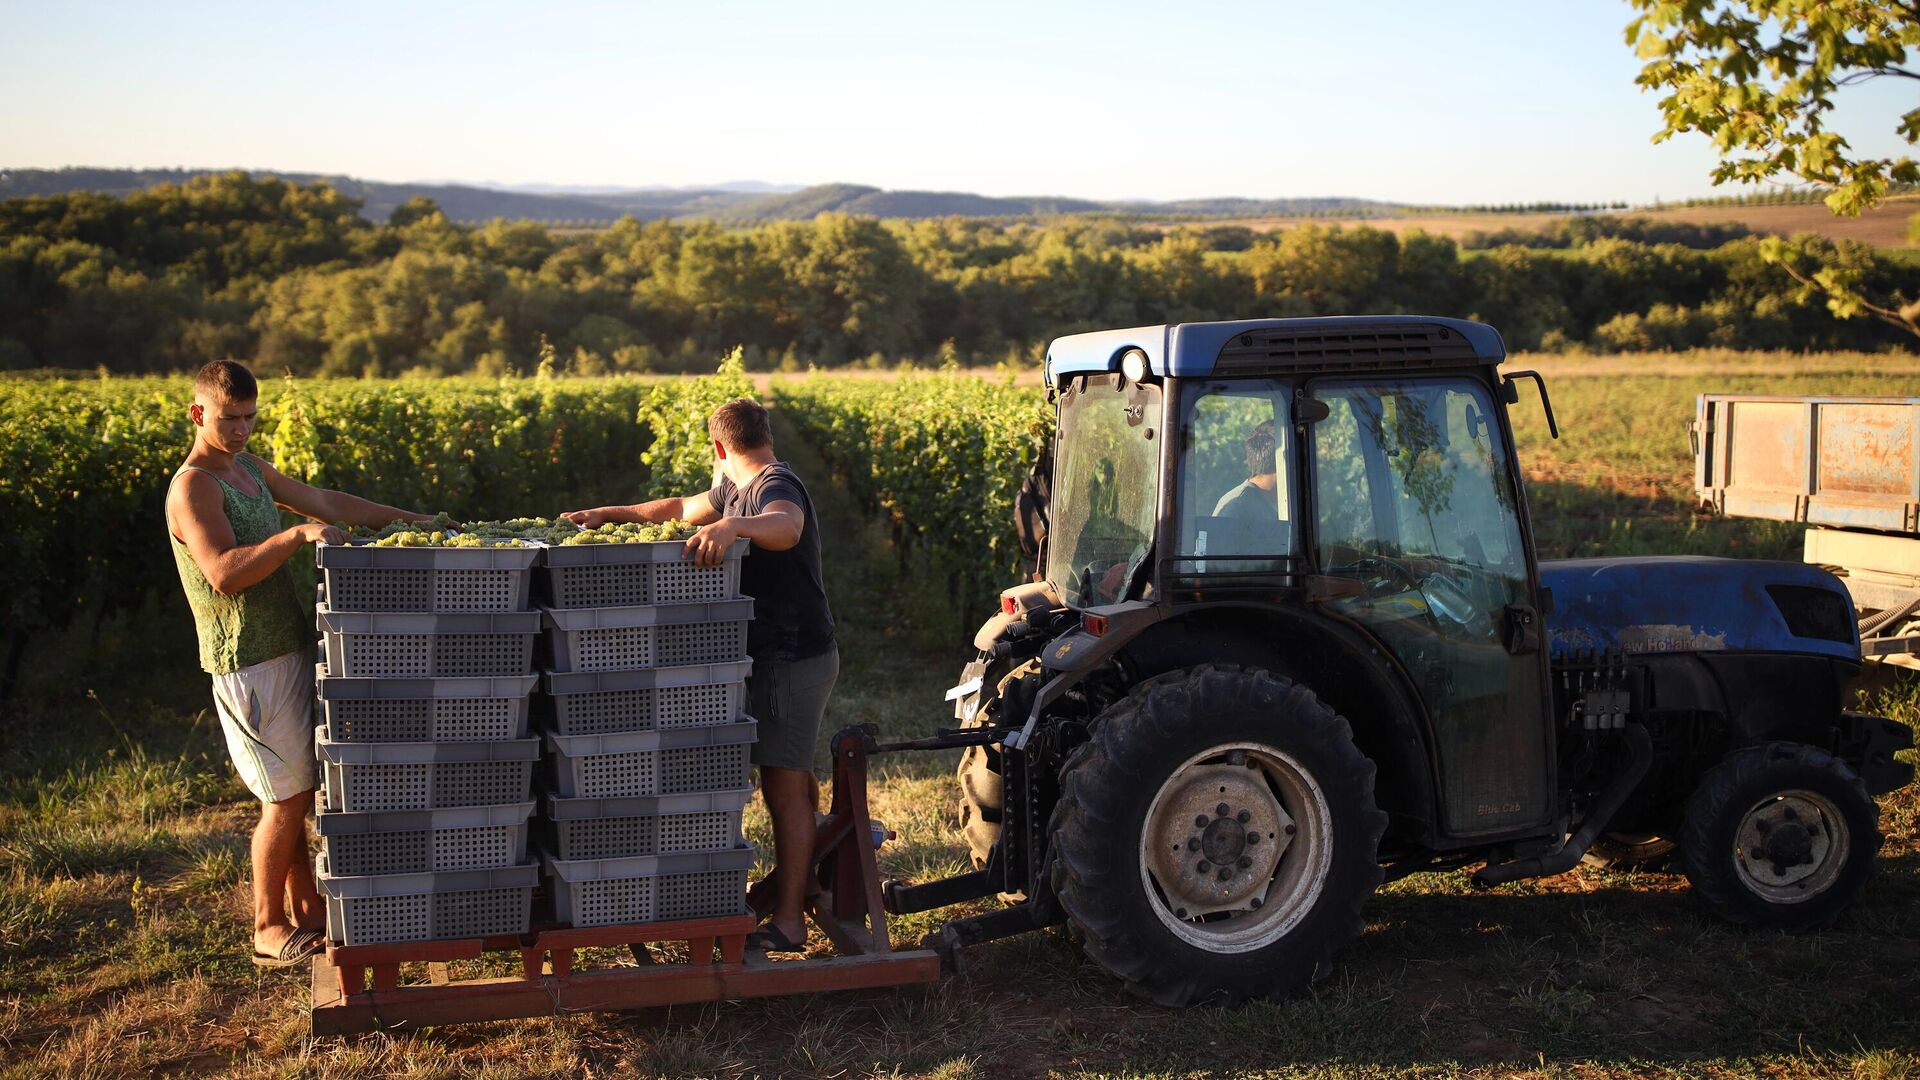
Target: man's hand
(316,533)
(708,547)
(587,519)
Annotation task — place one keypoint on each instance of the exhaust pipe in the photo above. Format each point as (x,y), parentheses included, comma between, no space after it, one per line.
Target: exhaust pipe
(1639,760)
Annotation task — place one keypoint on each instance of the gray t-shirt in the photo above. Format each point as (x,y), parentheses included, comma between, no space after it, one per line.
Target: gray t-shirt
(1248,502)
(791,620)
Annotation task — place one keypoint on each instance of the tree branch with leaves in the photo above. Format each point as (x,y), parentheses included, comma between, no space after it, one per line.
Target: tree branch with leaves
(1759,78)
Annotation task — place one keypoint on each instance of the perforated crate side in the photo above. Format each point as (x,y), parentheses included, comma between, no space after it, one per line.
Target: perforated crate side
(699,885)
(414,842)
(380,909)
(629,584)
(662,834)
(425,719)
(652,772)
(353,787)
(613,648)
(648,708)
(427,850)
(434,656)
(430,588)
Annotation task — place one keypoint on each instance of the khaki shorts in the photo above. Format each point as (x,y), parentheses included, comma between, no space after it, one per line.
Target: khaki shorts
(787,698)
(267,713)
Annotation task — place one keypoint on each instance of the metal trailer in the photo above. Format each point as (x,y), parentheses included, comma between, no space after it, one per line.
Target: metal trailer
(1844,466)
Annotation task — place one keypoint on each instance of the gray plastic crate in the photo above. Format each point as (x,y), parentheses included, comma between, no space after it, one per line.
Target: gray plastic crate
(424,841)
(363,778)
(602,702)
(394,644)
(646,636)
(625,575)
(360,577)
(376,909)
(660,825)
(424,710)
(696,885)
(636,763)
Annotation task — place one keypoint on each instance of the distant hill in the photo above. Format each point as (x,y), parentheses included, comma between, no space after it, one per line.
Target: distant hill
(741,202)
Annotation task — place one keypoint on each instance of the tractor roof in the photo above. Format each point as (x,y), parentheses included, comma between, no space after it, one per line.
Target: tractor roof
(1341,342)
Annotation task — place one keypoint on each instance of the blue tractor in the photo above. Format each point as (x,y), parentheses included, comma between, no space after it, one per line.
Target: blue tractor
(1292,640)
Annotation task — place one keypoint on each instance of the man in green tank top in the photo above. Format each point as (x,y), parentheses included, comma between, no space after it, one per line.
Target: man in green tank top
(223,521)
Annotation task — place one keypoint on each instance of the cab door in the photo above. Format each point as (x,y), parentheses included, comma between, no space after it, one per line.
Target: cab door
(1415,503)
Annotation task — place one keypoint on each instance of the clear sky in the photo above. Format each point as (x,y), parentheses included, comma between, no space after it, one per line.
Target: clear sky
(1445,101)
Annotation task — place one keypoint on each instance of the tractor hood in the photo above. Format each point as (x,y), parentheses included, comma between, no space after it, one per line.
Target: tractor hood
(1682,604)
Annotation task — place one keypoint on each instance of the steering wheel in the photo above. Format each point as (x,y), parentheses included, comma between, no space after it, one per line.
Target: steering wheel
(1381,568)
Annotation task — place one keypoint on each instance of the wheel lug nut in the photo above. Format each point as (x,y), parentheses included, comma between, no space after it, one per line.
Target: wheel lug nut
(1221,810)
(1252,839)
(1181,912)
(1245,862)
(1245,816)
(1200,821)
(1254,903)
(1291,830)
(1225,874)
(1204,866)
(1193,843)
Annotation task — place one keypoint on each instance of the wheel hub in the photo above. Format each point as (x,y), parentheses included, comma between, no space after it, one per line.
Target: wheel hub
(1217,834)
(1786,846)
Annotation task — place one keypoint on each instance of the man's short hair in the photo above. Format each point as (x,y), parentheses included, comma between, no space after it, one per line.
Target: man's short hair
(1260,450)
(226,380)
(741,424)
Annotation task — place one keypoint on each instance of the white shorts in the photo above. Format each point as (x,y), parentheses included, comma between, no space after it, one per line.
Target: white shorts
(267,712)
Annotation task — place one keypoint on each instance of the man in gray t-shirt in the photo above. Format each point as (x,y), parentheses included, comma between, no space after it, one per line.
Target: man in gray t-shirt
(791,640)
(1257,498)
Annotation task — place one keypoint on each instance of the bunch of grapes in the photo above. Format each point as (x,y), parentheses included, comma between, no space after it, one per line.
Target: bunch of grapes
(632,532)
(438,538)
(552,530)
(441,522)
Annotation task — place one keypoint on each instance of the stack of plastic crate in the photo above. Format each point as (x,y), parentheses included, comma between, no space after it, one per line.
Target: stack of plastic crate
(647,736)
(424,751)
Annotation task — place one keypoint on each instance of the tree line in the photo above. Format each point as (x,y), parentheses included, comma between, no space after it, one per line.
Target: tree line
(291,277)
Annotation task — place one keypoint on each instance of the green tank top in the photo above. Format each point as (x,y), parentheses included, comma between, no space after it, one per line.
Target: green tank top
(261,622)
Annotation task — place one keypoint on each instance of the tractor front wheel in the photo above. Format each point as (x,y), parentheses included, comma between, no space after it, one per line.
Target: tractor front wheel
(1780,835)
(1216,837)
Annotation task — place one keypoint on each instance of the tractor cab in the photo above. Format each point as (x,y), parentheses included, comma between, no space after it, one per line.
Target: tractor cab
(1257,469)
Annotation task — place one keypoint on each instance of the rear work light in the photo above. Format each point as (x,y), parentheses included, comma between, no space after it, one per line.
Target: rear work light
(1008,607)
(1094,624)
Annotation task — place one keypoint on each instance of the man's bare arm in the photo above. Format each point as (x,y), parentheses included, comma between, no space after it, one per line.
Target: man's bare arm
(694,509)
(778,528)
(322,504)
(196,511)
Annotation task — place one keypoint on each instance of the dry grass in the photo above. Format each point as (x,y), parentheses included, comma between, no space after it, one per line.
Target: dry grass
(1883,226)
(122,896)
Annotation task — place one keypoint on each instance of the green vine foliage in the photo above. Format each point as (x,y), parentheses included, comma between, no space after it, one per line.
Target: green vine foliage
(680,460)
(85,465)
(940,456)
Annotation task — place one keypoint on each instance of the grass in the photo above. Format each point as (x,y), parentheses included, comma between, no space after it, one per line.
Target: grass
(123,897)
(1885,226)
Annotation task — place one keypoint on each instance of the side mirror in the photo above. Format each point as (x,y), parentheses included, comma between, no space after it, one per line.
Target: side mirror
(1308,410)
(1510,390)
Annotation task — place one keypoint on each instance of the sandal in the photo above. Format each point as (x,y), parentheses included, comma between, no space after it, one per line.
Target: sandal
(299,945)
(770,938)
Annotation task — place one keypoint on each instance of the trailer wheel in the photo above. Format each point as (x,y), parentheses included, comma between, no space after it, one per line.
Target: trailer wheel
(1781,835)
(1216,837)
(1629,851)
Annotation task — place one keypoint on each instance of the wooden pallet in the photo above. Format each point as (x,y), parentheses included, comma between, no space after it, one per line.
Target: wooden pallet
(357,988)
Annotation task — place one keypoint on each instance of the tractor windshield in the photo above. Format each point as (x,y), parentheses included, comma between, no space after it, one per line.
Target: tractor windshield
(1104,480)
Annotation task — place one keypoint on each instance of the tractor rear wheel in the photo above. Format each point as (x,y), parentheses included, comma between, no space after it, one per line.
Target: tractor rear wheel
(1216,837)
(1781,835)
